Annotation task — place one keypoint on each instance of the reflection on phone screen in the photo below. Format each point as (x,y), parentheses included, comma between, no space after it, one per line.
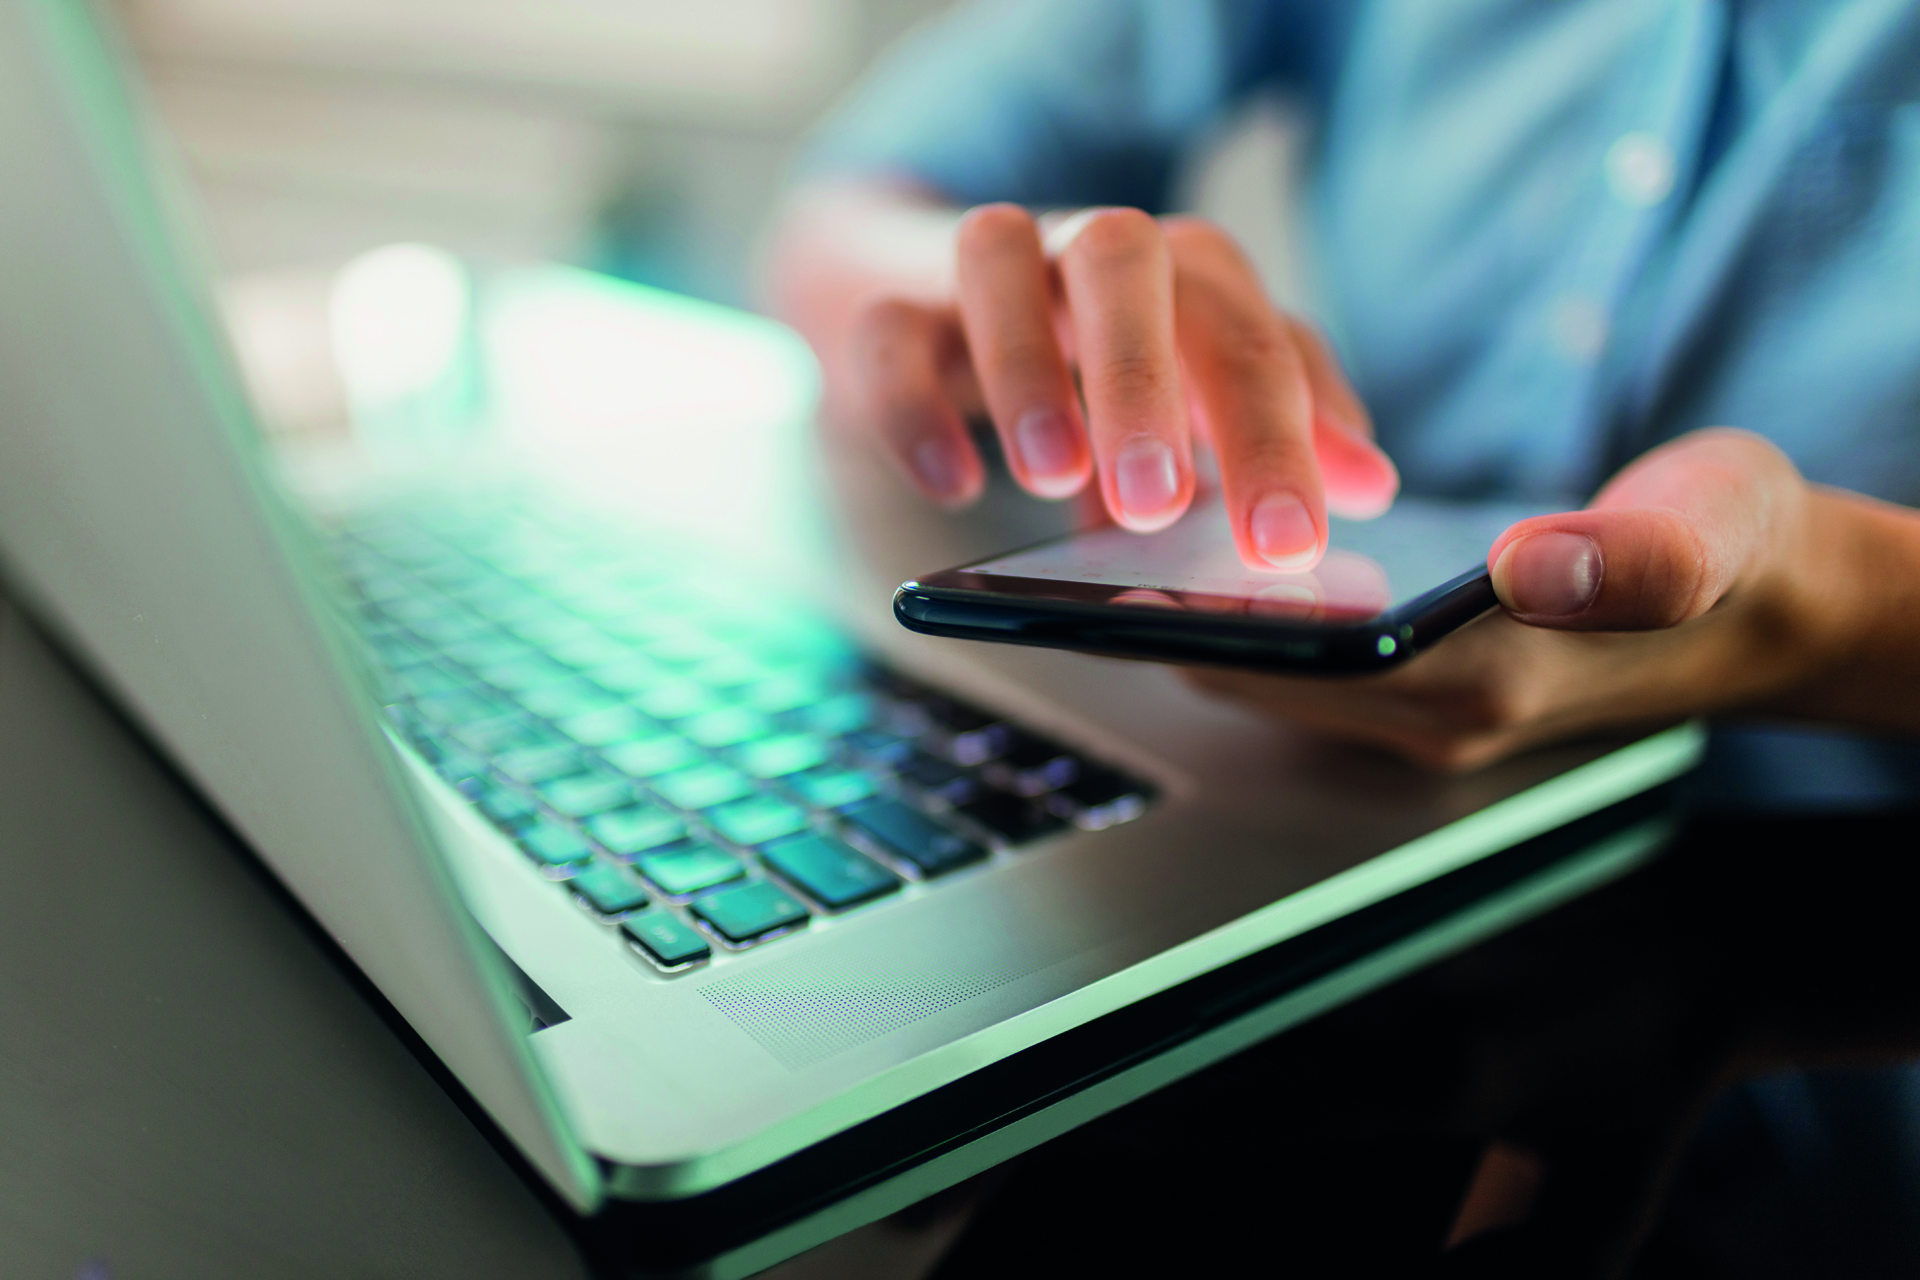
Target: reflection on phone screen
(1370,566)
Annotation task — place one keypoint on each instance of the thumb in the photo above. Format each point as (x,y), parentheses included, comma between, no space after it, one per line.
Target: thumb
(1662,543)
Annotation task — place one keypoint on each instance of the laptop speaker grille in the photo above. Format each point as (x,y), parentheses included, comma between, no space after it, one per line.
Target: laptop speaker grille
(805,1015)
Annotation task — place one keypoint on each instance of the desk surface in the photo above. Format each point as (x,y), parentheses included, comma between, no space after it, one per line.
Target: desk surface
(188,1086)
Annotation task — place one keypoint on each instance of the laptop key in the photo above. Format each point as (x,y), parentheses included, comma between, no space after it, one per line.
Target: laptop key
(914,837)
(778,756)
(448,628)
(489,649)
(557,848)
(500,734)
(830,873)
(676,699)
(1012,818)
(519,675)
(689,868)
(606,726)
(508,807)
(629,674)
(938,778)
(565,698)
(684,646)
(757,819)
(531,766)
(788,691)
(452,761)
(702,786)
(884,748)
(608,890)
(580,795)
(833,788)
(635,829)
(1032,766)
(463,706)
(650,756)
(966,734)
(727,727)
(749,912)
(395,651)
(837,715)
(589,649)
(547,632)
(1100,798)
(728,670)
(665,940)
(500,600)
(422,678)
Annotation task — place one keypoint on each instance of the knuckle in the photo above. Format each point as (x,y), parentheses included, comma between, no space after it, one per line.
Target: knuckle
(1479,708)
(1026,360)
(1133,375)
(991,227)
(891,343)
(1208,250)
(1694,578)
(1450,755)
(1188,231)
(885,319)
(1117,235)
(1252,346)
(1746,445)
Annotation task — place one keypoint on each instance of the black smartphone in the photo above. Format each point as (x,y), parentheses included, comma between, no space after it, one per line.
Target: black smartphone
(1386,589)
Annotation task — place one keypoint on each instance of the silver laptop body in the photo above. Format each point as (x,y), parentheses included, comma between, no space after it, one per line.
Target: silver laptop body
(774,1093)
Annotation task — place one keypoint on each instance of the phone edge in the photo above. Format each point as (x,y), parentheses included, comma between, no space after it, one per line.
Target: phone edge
(1373,646)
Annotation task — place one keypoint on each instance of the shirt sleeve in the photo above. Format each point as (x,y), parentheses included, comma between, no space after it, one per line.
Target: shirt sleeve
(1068,102)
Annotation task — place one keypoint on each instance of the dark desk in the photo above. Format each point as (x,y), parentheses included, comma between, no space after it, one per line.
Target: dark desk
(1590,1043)
(189,1086)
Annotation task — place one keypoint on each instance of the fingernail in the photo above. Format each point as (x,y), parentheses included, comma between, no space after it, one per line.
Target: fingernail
(1281,529)
(1549,575)
(940,469)
(1146,479)
(1050,452)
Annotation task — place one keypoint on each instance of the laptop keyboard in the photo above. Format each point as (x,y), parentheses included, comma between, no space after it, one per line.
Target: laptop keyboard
(697,770)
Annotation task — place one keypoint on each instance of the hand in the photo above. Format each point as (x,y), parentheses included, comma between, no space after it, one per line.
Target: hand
(1173,339)
(1705,577)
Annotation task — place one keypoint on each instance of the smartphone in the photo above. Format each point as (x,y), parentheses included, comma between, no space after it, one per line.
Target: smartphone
(1386,589)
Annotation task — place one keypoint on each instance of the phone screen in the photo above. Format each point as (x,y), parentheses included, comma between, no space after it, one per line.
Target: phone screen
(1371,566)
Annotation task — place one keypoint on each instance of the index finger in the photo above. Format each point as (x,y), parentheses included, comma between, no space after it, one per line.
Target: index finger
(1118,276)
(1006,304)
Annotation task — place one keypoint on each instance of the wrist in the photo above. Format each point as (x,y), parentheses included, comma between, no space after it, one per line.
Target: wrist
(1835,607)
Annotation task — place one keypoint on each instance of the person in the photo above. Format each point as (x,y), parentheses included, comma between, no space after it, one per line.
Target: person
(1665,255)
(1547,240)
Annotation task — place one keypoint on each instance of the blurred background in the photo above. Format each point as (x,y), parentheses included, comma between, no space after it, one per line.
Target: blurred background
(648,139)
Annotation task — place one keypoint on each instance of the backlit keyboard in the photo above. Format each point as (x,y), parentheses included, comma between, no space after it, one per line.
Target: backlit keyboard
(697,769)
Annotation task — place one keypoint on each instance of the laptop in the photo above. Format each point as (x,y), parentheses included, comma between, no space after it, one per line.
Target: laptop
(740,921)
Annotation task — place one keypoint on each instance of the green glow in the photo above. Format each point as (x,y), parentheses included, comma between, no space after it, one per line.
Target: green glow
(401,321)
(681,414)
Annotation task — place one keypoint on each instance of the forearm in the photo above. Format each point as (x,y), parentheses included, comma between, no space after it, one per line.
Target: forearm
(1862,595)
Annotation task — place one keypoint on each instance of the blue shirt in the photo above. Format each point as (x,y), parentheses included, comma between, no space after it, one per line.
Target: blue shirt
(1545,236)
